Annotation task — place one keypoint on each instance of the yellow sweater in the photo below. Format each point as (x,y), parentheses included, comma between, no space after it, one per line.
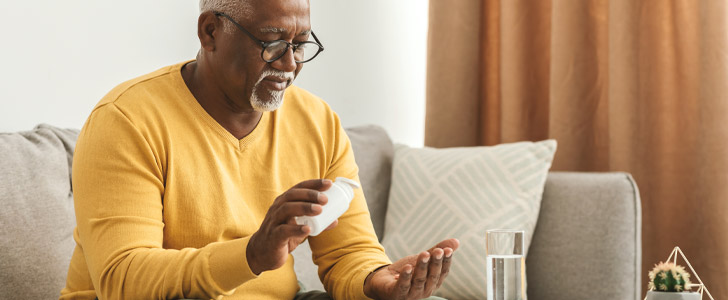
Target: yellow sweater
(166,199)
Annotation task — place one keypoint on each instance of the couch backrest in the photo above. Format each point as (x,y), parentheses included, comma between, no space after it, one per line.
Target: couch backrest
(587,243)
(373,152)
(37,215)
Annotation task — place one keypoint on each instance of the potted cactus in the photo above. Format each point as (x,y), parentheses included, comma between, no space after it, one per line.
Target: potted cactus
(669,281)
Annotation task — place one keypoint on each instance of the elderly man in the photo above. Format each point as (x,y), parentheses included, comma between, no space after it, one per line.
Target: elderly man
(187,180)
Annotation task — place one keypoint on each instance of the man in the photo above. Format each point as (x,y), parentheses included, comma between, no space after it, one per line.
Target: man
(187,180)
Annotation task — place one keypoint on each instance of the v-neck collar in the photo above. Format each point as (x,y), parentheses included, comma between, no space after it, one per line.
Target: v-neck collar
(202,115)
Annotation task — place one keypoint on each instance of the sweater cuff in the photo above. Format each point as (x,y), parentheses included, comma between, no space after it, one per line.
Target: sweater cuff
(229,264)
(357,283)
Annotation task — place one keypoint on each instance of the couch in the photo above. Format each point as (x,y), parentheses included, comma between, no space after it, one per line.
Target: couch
(586,245)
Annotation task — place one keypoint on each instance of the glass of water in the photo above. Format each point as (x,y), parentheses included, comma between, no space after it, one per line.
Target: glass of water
(505,265)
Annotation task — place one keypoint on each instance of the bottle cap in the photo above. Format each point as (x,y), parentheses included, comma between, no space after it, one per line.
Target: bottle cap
(351,182)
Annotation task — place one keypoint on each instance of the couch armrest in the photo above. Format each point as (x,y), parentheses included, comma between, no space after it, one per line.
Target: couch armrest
(587,243)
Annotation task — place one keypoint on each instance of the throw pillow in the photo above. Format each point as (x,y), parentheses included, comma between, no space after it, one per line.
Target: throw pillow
(460,193)
(37,216)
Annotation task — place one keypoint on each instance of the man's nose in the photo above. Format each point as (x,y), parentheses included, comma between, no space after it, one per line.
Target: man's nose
(286,63)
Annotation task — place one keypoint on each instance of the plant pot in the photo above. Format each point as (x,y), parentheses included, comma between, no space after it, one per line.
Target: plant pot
(655,295)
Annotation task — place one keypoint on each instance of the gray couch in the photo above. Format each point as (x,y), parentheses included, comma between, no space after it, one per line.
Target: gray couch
(586,245)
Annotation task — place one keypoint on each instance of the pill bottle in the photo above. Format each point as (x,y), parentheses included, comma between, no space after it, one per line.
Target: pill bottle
(339,195)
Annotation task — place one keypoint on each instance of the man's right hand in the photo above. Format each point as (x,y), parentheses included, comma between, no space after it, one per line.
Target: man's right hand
(279,234)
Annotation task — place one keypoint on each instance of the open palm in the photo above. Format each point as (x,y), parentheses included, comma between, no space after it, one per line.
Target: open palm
(414,277)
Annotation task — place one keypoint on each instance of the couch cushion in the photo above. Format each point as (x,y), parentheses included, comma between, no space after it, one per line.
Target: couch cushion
(460,193)
(37,216)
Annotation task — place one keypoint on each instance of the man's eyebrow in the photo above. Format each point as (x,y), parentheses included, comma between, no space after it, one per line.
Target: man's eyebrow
(270,29)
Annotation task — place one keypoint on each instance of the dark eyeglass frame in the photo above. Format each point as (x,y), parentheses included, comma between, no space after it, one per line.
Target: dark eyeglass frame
(265,45)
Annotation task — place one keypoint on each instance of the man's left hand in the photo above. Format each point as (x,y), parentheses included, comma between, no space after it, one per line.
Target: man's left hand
(414,277)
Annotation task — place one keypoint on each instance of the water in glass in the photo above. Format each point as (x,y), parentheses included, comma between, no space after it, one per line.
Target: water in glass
(504,277)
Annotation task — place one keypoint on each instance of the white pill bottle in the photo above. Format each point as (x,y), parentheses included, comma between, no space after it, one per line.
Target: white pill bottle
(340,195)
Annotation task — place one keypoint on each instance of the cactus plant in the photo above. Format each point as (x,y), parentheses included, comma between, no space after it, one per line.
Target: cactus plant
(669,277)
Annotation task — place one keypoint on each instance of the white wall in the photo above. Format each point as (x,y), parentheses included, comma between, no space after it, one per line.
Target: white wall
(61,57)
(373,67)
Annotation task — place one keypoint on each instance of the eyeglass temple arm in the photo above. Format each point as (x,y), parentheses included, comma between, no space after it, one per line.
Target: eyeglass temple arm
(317,40)
(262,43)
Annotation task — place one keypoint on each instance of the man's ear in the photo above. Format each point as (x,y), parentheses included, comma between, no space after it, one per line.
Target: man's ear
(208,28)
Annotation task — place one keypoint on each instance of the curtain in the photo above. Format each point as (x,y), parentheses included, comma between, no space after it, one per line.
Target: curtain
(639,86)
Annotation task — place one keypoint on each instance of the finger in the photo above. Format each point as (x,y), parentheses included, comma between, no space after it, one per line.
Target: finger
(315,184)
(289,210)
(403,283)
(304,195)
(336,222)
(453,244)
(419,278)
(283,233)
(433,272)
(446,262)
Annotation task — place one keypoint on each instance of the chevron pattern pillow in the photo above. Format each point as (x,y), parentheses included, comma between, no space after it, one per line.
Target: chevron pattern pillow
(460,193)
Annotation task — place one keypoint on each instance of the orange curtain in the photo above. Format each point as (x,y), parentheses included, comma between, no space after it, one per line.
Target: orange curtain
(624,85)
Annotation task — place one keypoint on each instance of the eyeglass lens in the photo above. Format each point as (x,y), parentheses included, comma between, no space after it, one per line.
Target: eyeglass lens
(304,52)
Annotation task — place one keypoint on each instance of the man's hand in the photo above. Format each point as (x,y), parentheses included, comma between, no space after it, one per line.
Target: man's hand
(414,277)
(279,234)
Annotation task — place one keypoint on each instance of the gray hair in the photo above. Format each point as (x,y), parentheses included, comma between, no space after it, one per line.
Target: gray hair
(234,8)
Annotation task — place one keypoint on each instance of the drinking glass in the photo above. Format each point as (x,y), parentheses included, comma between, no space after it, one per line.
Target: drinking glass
(505,265)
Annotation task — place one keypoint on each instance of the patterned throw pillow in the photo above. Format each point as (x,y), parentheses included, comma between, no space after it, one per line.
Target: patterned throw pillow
(460,193)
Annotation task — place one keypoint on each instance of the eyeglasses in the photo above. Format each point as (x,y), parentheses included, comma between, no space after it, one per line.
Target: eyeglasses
(302,52)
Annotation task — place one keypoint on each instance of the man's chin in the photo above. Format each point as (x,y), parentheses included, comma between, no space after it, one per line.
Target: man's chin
(270,103)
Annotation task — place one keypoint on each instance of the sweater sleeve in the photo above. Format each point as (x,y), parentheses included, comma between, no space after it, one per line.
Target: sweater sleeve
(346,254)
(118,185)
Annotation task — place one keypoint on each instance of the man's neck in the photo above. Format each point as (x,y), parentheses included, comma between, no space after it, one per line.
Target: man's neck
(239,122)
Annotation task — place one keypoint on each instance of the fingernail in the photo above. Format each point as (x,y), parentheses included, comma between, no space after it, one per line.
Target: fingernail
(408,271)
(316,208)
(425,260)
(448,255)
(438,256)
(325,181)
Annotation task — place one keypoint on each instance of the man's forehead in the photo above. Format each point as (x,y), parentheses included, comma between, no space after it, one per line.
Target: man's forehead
(281,16)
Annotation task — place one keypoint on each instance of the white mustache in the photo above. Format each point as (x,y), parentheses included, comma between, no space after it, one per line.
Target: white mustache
(277,73)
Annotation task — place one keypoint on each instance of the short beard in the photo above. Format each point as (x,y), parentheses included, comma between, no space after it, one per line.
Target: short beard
(274,98)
